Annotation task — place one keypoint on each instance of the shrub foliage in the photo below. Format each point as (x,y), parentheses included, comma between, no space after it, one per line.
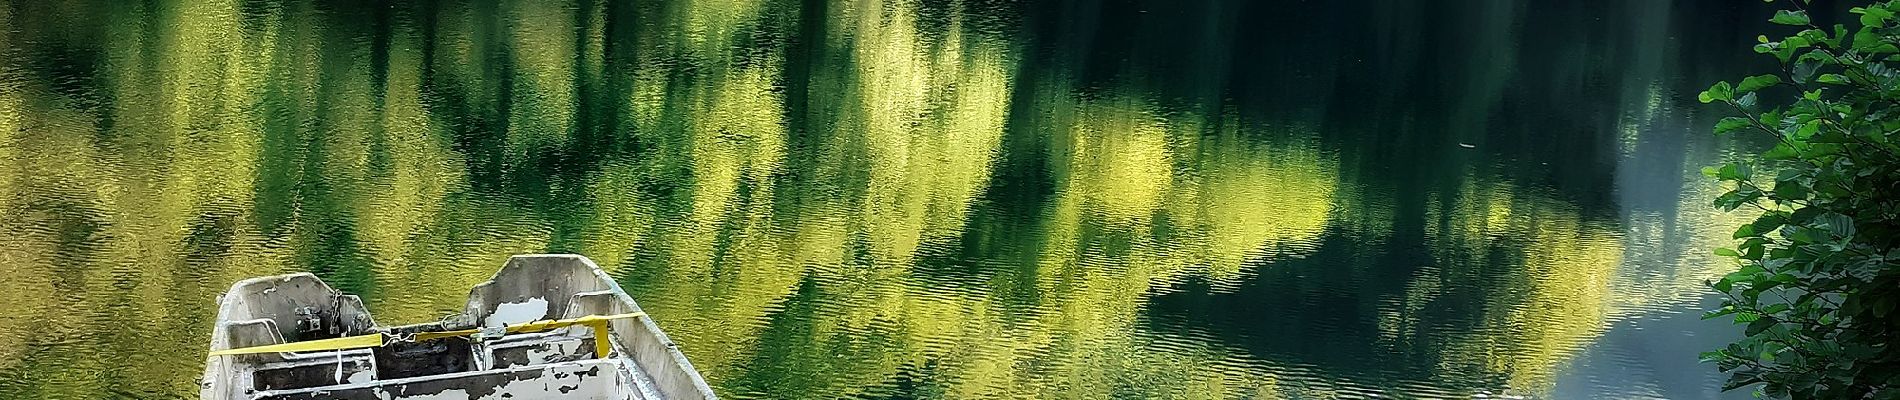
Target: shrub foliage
(1817,285)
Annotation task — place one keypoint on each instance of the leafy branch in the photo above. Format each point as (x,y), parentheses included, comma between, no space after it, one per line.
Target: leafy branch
(1816,284)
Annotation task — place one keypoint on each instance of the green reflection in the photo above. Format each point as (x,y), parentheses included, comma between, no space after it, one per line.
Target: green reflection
(823,199)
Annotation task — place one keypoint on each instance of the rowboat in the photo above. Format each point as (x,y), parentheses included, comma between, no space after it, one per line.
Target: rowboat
(546,326)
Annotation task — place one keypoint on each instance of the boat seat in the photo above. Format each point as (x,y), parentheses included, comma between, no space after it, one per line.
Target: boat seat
(432,357)
(550,347)
(585,380)
(306,370)
(531,289)
(293,370)
(252,333)
(302,307)
(559,345)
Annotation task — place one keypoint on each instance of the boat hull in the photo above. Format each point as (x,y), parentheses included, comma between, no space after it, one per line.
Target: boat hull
(564,362)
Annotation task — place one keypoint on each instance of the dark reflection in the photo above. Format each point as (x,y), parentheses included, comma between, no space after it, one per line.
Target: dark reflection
(898,198)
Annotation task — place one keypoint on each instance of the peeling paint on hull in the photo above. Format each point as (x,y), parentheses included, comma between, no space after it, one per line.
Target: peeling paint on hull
(515,313)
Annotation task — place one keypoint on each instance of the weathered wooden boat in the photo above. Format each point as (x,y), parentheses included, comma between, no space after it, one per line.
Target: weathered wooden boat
(546,326)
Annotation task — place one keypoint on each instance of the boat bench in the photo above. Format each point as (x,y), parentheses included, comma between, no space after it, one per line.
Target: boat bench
(585,380)
(285,371)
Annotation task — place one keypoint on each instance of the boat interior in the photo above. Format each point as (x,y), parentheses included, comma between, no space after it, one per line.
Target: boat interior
(561,361)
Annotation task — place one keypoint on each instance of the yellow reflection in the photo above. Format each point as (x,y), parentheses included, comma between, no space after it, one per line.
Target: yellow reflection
(926,111)
(462,64)
(930,118)
(404,201)
(1118,159)
(1253,200)
(1552,307)
(12,110)
(621,217)
(103,221)
(738,137)
(735,134)
(710,28)
(541,110)
(1097,261)
(419,168)
(456,249)
(26,257)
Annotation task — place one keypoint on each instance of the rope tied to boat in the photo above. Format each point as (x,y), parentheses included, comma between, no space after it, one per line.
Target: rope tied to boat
(598,323)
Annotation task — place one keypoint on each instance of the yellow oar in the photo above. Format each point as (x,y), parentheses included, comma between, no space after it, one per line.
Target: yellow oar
(342,343)
(598,322)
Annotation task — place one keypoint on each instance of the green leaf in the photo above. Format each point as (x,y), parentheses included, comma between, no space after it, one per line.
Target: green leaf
(1757,82)
(1722,91)
(1832,79)
(1730,124)
(1866,39)
(1783,278)
(1840,226)
(1814,36)
(1756,328)
(1804,70)
(1782,151)
(1752,248)
(1786,17)
(1718,312)
(1740,380)
(1727,252)
(1775,390)
(1764,48)
(1875,17)
(1790,190)
(1767,223)
(1805,131)
(1735,199)
(1734,171)
(1796,43)
(1752,252)
(1802,235)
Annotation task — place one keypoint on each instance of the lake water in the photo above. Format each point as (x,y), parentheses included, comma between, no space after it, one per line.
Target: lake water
(968,199)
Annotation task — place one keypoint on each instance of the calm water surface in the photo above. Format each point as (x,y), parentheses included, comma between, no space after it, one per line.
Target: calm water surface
(967,199)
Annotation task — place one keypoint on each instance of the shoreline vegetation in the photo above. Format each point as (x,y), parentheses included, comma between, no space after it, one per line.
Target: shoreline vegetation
(1819,277)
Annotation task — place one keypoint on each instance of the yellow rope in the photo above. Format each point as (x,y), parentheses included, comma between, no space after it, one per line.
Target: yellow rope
(598,322)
